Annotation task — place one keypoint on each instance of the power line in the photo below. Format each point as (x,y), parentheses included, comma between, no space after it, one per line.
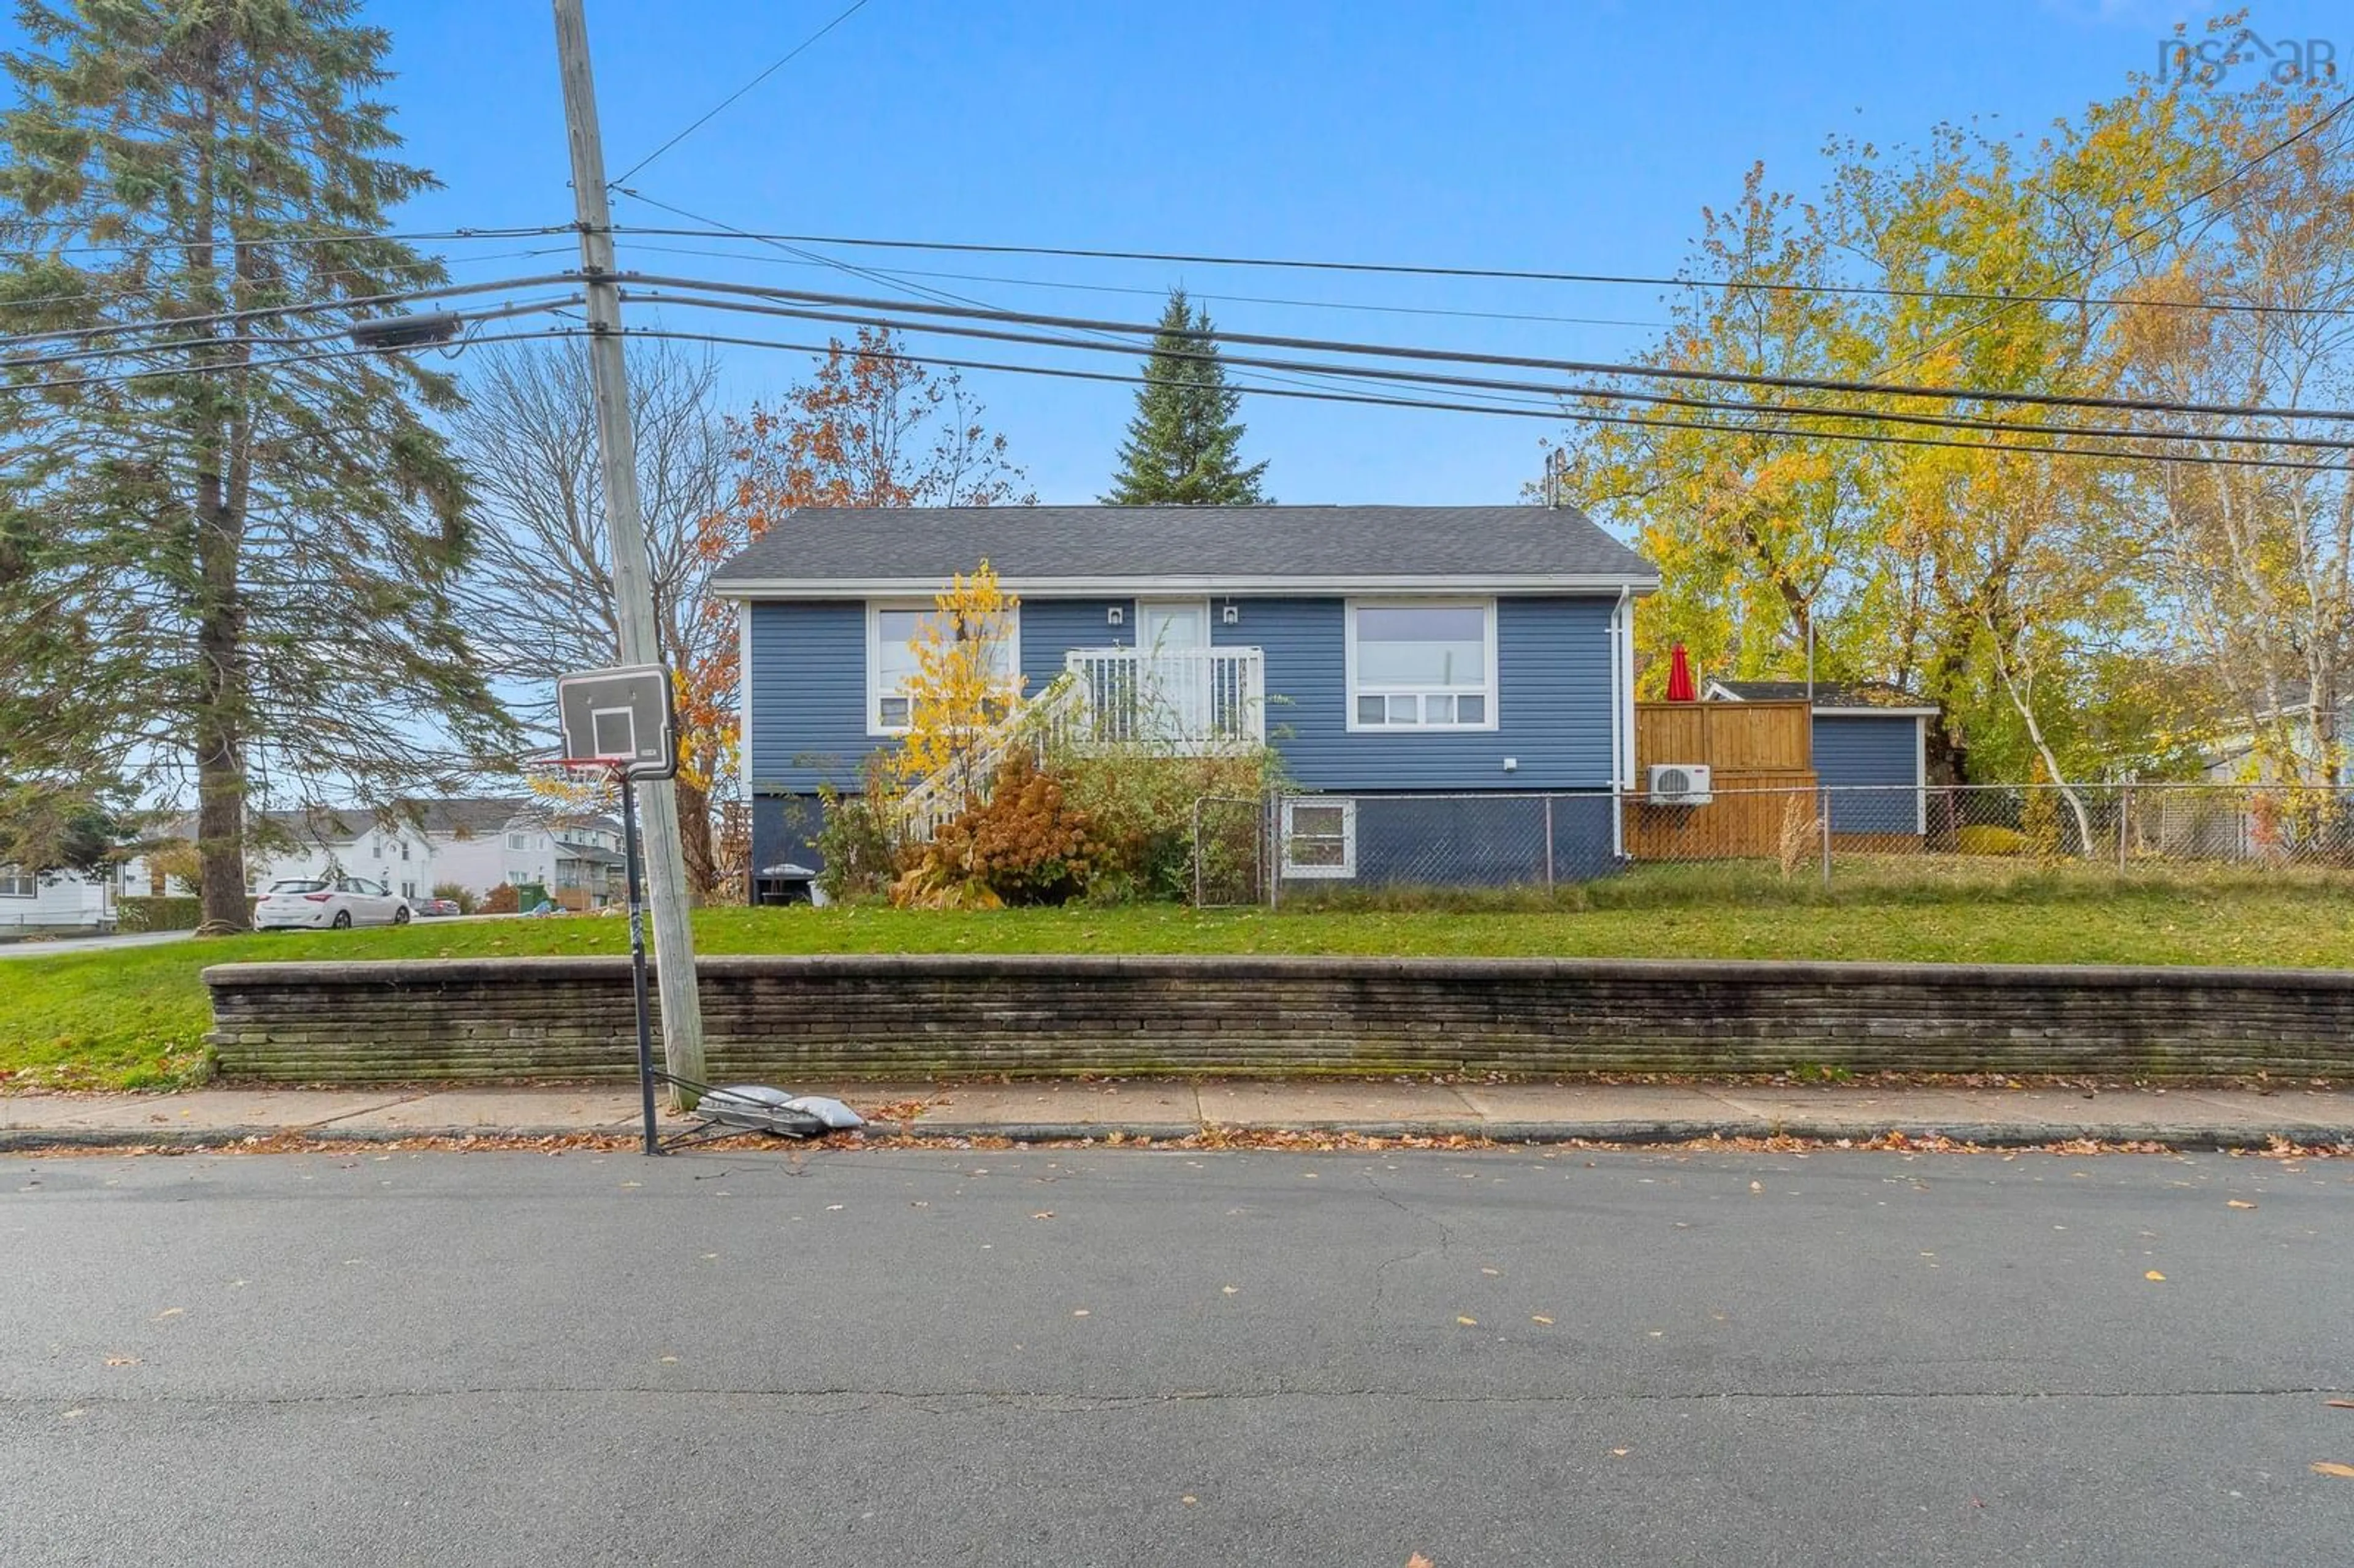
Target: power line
(1410,270)
(871,275)
(1066,372)
(119,378)
(2095,265)
(1522,362)
(112,296)
(1552,394)
(491,312)
(272,313)
(708,115)
(1073,286)
(347,237)
(1586,416)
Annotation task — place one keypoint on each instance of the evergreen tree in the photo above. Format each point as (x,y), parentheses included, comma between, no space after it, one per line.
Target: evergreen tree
(1183,447)
(251,542)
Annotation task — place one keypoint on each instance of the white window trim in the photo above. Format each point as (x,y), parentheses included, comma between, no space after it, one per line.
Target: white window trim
(875,693)
(1494,686)
(14,874)
(1348,867)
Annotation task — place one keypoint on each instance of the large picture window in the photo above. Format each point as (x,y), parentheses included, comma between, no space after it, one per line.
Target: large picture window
(1421,665)
(892,633)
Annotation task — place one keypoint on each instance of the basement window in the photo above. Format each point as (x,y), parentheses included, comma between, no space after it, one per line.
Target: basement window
(1319,837)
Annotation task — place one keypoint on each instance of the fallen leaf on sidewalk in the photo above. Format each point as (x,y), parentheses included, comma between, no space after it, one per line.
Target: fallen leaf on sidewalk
(1617,1452)
(123,1361)
(1417,1561)
(1539,1318)
(1469,1322)
(1757,1186)
(2237,1203)
(1189,1499)
(1228,1289)
(2341,1404)
(2327,1467)
(1043,1215)
(2153,1274)
(169,1312)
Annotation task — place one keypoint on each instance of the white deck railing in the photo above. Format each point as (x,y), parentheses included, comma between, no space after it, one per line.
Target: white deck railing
(1189,700)
(1036,723)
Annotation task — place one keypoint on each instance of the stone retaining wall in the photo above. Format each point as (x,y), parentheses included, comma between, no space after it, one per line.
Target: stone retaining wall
(794,1019)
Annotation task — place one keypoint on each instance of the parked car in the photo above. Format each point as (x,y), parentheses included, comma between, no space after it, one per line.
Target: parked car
(434,906)
(336,903)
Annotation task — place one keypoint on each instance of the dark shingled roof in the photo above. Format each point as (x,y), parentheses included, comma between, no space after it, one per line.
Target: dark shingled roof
(1827,693)
(1029,543)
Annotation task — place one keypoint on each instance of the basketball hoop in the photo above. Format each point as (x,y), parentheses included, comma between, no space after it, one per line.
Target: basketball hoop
(598,777)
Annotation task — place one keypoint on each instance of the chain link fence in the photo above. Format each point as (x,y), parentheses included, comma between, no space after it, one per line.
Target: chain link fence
(1302,845)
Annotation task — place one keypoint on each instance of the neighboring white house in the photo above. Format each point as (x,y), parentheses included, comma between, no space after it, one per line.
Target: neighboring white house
(55,901)
(482,841)
(2233,758)
(309,843)
(475,843)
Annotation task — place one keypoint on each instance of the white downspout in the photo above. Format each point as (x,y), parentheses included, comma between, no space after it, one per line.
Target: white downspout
(1622,739)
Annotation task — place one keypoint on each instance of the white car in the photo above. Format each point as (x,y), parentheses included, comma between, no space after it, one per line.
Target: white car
(334,902)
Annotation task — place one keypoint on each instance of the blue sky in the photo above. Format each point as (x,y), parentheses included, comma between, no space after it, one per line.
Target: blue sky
(1483,132)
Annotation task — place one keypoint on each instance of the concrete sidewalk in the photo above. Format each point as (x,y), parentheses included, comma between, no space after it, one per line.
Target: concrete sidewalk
(1040,1111)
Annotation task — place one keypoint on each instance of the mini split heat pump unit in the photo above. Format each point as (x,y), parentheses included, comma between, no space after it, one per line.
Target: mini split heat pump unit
(1679,784)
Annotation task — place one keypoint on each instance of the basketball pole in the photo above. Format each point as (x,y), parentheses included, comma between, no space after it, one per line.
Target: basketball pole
(637,955)
(633,601)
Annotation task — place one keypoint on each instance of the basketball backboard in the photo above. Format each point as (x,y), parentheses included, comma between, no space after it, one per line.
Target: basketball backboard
(622,715)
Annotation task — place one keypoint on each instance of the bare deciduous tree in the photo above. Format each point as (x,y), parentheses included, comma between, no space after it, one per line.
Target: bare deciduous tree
(539,597)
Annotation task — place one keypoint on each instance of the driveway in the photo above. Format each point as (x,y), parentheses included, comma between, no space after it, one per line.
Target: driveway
(52,947)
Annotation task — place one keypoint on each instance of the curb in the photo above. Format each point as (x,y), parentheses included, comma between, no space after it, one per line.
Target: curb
(1629,1133)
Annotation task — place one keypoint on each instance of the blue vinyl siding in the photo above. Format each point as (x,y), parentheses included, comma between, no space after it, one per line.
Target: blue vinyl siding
(1553,711)
(809,695)
(1853,749)
(809,692)
(1051,627)
(809,682)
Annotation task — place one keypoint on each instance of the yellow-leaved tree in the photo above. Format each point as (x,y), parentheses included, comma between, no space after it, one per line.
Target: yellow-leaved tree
(963,684)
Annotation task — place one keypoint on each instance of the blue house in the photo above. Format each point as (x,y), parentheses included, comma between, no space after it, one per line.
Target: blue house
(1429,671)
(1870,750)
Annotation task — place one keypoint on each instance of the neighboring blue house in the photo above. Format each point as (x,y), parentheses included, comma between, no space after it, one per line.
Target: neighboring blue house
(1870,748)
(1447,658)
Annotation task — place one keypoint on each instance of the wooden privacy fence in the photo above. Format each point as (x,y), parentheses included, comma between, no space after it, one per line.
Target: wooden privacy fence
(1761,760)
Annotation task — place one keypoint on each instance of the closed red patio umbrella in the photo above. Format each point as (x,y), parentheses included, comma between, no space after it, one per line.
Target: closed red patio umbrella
(1679,677)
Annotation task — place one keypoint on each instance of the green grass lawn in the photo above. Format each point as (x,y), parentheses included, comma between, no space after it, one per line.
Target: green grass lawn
(135,1018)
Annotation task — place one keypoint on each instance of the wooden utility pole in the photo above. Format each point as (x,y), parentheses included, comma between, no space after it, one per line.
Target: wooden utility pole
(682,1008)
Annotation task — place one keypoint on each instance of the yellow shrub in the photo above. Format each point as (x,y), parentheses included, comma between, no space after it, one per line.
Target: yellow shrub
(1986,839)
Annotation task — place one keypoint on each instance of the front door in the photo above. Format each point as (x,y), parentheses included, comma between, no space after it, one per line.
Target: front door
(1172,639)
(1172,625)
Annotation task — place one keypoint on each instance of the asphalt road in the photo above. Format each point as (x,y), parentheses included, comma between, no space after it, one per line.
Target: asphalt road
(1121,1357)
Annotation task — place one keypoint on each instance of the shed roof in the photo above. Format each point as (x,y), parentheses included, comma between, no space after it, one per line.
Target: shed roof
(1862,696)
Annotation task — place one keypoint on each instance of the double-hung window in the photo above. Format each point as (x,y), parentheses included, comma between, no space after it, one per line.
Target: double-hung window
(1422,664)
(893,632)
(15,882)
